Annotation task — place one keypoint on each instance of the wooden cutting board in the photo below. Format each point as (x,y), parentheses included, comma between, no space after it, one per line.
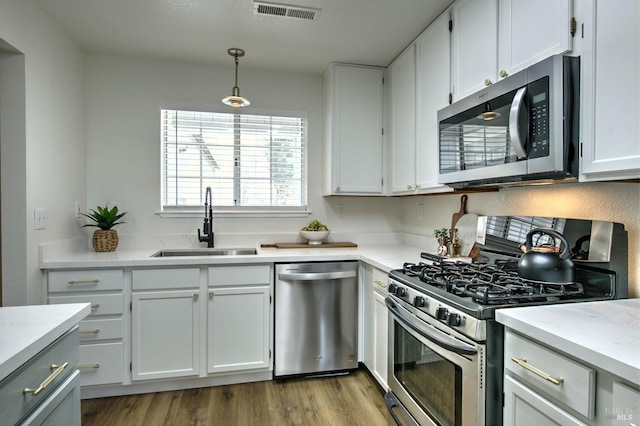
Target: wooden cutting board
(305,245)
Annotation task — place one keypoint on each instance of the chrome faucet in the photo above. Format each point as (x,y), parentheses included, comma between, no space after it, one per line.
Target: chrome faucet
(207,226)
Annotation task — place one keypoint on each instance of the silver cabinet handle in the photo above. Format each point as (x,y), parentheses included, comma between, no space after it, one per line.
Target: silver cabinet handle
(96,331)
(195,296)
(488,82)
(522,362)
(89,367)
(95,305)
(57,370)
(503,73)
(76,282)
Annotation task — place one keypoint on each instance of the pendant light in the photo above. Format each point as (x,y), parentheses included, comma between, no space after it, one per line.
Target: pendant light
(235,100)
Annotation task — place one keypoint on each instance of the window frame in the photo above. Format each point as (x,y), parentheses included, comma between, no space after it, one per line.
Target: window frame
(188,211)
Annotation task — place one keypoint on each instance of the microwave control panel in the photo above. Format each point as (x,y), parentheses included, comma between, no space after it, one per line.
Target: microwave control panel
(539,118)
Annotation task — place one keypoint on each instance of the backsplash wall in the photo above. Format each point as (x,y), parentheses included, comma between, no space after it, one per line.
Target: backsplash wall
(616,202)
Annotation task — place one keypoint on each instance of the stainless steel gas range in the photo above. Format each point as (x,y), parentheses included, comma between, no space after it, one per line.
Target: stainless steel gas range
(446,349)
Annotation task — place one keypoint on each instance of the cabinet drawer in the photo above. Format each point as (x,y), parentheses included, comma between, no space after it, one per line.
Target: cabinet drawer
(157,279)
(101,363)
(240,275)
(85,280)
(101,304)
(100,329)
(14,403)
(576,387)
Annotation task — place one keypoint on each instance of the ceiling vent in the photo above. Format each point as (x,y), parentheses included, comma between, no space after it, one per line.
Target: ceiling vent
(285,10)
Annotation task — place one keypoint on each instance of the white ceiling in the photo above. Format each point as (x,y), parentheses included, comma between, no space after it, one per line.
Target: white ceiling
(370,32)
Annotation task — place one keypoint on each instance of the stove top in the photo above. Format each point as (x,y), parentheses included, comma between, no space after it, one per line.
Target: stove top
(477,289)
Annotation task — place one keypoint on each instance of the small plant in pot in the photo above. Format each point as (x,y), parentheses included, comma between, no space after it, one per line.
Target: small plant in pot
(105,239)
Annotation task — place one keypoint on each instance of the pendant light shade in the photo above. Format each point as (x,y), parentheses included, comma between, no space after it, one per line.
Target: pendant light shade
(235,100)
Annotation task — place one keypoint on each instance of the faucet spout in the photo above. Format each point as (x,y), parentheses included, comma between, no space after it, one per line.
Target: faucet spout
(207,226)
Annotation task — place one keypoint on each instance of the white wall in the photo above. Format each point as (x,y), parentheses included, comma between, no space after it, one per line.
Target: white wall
(43,151)
(616,202)
(124,97)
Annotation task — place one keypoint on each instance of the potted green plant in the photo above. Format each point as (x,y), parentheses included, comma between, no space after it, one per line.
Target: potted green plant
(104,239)
(442,235)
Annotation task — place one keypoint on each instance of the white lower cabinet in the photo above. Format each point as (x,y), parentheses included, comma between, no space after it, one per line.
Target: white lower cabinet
(239,318)
(101,334)
(165,324)
(375,323)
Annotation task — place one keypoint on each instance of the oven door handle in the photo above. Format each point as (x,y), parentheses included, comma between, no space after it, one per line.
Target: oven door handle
(412,323)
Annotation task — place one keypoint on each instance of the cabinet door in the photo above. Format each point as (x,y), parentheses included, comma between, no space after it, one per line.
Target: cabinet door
(62,407)
(353,130)
(611,91)
(524,407)
(381,352)
(238,329)
(165,334)
(432,88)
(474,47)
(530,31)
(402,88)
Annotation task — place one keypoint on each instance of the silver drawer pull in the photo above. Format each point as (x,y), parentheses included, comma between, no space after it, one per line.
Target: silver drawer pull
(96,331)
(89,367)
(56,370)
(95,305)
(75,282)
(524,364)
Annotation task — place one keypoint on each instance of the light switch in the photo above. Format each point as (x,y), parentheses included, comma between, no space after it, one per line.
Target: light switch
(40,218)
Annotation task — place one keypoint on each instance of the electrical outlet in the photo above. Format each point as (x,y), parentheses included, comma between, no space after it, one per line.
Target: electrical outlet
(421,211)
(77,210)
(340,210)
(40,218)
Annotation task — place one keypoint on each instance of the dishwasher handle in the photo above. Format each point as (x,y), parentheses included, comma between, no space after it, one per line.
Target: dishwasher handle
(314,276)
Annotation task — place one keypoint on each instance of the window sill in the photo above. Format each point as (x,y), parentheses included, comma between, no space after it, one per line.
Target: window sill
(235,213)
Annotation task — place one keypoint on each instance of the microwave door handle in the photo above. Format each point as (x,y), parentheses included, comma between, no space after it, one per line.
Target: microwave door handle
(518,128)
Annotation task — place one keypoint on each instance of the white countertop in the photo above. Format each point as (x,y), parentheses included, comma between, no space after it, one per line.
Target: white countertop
(26,330)
(382,256)
(605,334)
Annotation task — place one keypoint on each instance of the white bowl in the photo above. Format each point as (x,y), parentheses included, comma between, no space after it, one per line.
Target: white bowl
(314,237)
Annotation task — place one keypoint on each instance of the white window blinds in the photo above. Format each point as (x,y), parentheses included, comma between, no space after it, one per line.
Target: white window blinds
(247,160)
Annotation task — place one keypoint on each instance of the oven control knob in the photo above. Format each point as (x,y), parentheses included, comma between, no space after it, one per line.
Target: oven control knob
(453,320)
(392,288)
(401,292)
(441,313)
(419,302)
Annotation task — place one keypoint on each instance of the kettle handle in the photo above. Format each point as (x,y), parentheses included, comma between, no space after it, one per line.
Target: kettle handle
(564,254)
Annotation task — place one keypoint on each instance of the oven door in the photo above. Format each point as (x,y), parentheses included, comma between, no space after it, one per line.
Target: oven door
(435,378)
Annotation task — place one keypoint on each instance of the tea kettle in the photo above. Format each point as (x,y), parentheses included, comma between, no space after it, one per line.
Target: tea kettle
(547,266)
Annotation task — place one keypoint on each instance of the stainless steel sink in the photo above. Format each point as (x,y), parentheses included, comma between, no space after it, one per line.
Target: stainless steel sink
(205,252)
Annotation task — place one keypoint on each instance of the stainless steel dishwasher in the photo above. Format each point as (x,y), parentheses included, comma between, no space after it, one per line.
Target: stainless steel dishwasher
(316,310)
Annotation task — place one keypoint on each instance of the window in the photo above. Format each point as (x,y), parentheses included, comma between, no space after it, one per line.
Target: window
(247,160)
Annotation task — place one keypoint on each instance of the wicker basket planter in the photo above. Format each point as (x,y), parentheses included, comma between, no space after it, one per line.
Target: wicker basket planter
(105,240)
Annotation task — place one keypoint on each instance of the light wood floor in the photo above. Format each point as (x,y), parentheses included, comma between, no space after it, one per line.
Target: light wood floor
(354,399)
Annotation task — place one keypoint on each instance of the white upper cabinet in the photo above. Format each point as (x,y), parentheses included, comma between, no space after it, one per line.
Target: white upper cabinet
(432,89)
(492,39)
(418,88)
(353,160)
(474,46)
(530,31)
(402,121)
(610,91)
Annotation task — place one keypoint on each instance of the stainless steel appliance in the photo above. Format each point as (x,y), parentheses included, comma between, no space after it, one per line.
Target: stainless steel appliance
(523,128)
(446,349)
(316,318)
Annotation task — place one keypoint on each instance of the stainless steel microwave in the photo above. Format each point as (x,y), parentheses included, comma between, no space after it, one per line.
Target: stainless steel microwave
(523,129)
